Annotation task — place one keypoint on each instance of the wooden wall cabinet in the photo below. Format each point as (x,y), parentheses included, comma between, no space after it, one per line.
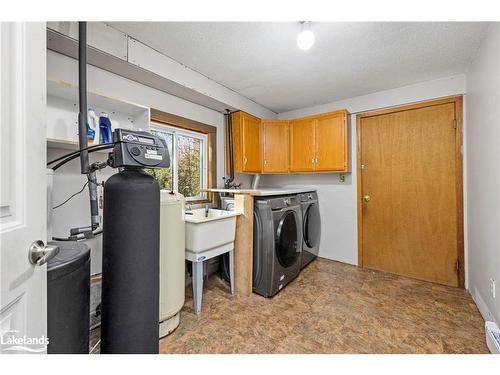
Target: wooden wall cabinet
(320,143)
(246,143)
(275,146)
(332,142)
(302,145)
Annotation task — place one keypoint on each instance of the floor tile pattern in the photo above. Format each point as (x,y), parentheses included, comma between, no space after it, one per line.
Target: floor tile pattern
(332,307)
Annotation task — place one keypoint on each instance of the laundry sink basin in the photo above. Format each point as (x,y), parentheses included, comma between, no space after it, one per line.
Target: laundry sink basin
(209,235)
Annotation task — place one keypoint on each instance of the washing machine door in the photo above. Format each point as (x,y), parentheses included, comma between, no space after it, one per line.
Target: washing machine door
(312,226)
(287,241)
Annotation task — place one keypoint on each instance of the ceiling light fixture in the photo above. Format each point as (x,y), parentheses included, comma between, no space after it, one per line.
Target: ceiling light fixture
(305,39)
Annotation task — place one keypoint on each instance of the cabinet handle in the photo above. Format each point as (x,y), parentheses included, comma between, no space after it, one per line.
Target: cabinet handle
(316,161)
(265,162)
(312,160)
(245,159)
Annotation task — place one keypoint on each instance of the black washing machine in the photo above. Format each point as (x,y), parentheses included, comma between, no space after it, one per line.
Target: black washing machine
(277,243)
(311,227)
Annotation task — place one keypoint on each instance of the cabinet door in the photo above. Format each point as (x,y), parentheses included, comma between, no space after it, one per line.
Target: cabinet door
(250,140)
(275,137)
(237,151)
(331,138)
(302,145)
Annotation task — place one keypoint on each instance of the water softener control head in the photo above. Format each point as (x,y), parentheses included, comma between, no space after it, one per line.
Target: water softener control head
(138,149)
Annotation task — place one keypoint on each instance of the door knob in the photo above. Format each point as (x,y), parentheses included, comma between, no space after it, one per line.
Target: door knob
(39,253)
(366,198)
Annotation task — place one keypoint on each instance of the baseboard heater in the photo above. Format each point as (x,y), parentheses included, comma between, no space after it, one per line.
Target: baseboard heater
(492,337)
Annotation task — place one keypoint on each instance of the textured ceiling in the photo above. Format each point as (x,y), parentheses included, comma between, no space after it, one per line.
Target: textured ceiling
(262,62)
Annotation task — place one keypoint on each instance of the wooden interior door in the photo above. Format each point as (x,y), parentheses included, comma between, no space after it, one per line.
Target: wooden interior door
(276,144)
(410,191)
(331,143)
(251,143)
(302,145)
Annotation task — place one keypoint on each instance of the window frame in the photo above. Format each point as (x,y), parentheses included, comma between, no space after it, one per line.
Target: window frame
(170,119)
(178,131)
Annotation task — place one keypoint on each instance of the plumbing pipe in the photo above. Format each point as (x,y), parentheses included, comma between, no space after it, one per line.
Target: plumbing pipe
(228,181)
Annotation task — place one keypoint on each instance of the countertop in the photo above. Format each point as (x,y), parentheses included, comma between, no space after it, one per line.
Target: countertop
(263,191)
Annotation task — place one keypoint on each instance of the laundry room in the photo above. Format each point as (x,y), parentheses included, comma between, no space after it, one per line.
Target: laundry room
(250,185)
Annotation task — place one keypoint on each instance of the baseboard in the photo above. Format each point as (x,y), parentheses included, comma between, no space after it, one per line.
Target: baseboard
(483,307)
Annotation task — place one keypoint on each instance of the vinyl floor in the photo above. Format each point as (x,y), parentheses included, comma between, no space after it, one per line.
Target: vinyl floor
(331,307)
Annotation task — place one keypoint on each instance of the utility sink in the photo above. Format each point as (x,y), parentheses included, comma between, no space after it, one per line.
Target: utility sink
(209,234)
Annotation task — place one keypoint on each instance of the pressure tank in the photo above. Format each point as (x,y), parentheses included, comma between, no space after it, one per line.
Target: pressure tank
(130,263)
(172,260)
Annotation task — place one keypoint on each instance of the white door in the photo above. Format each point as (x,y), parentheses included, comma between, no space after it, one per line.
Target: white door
(23,303)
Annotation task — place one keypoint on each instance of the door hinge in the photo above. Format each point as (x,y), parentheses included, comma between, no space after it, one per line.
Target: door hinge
(457,266)
(454,123)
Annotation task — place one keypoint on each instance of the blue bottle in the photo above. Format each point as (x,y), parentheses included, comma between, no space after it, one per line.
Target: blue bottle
(106,131)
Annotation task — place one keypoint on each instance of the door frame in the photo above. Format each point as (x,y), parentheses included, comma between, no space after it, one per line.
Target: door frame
(458,101)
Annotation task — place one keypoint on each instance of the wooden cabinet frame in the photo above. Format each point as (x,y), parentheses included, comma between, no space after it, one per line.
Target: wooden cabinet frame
(240,151)
(346,138)
(267,149)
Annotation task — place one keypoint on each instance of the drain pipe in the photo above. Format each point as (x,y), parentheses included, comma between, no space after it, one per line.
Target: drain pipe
(229,180)
(82,127)
(82,97)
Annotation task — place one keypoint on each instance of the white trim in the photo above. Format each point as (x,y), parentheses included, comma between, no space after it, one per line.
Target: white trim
(483,307)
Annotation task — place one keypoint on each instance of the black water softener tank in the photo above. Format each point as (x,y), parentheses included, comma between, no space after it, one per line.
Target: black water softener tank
(130,263)
(68,299)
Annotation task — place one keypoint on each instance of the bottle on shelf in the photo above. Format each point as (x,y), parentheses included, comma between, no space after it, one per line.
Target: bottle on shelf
(93,131)
(105,128)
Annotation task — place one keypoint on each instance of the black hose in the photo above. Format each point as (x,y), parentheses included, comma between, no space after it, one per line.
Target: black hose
(75,238)
(75,155)
(71,196)
(77,152)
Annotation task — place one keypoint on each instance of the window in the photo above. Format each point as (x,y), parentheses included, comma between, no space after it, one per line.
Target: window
(188,161)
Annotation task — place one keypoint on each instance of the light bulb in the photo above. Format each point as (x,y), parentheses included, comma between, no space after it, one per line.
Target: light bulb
(305,39)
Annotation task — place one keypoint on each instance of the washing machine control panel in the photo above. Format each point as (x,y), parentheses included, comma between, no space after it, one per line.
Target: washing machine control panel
(283,202)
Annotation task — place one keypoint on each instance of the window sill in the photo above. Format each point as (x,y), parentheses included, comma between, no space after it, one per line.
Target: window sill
(198,201)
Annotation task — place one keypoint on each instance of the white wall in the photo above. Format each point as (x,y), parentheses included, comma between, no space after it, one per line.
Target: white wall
(68,180)
(338,199)
(483,173)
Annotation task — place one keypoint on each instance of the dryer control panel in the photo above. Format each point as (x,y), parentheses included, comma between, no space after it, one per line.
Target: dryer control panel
(312,196)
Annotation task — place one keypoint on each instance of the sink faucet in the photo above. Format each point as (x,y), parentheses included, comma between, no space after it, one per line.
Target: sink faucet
(189,210)
(206,210)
